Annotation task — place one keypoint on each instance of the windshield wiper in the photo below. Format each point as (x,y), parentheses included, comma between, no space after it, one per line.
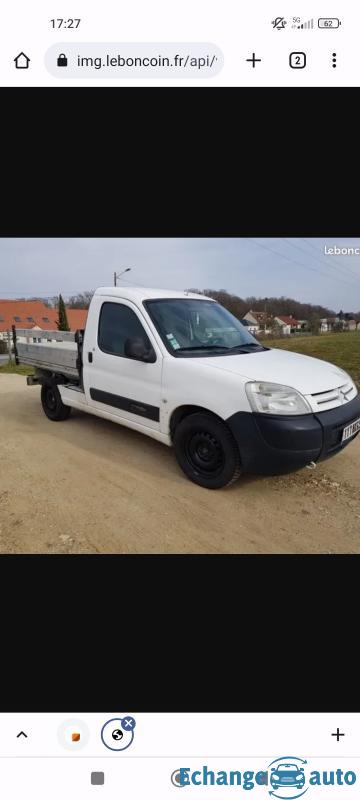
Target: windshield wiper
(247,345)
(205,347)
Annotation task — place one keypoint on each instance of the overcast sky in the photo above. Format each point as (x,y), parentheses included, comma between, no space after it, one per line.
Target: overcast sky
(295,268)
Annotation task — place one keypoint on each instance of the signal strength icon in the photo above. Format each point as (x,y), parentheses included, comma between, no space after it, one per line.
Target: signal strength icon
(305,25)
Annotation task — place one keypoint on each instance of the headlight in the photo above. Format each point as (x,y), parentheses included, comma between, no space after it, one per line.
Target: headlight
(348,378)
(273,398)
(275,776)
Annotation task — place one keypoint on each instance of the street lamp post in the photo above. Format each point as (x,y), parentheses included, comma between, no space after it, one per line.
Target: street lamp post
(119,274)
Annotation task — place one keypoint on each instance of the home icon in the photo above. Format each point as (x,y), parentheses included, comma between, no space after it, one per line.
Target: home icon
(22,61)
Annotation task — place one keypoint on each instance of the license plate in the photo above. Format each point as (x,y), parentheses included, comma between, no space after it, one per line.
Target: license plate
(351,430)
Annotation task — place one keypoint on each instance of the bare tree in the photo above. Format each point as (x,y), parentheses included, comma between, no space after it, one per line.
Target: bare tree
(314,325)
(44,300)
(275,306)
(81,300)
(276,328)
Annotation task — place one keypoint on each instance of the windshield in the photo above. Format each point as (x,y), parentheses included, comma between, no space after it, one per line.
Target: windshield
(188,326)
(288,766)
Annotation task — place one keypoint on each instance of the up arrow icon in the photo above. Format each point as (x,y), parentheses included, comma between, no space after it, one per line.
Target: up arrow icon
(22,733)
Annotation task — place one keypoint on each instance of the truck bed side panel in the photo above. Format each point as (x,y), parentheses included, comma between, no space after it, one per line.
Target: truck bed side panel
(56,359)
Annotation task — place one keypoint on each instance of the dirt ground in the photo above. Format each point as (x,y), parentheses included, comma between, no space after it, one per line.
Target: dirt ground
(89,486)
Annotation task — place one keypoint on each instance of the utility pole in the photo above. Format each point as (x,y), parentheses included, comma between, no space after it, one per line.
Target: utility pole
(118,275)
(9,346)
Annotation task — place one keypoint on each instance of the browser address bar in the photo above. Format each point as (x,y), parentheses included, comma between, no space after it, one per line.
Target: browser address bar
(134,60)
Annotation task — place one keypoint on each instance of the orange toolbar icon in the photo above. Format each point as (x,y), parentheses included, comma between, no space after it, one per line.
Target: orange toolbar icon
(75,737)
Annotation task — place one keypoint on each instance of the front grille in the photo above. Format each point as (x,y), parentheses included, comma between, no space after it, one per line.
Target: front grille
(322,401)
(333,423)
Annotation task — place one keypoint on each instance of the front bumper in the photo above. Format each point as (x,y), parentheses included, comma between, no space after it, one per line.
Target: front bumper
(292,784)
(274,444)
(287,785)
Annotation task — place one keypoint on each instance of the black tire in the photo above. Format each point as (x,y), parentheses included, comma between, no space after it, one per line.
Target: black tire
(52,403)
(206,451)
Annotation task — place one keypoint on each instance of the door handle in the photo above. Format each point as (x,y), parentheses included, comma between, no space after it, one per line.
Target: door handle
(90,357)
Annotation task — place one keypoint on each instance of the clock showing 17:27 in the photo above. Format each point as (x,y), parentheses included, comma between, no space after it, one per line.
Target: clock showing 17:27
(65,23)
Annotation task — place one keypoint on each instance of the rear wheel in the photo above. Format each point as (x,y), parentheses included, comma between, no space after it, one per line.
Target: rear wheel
(206,451)
(52,403)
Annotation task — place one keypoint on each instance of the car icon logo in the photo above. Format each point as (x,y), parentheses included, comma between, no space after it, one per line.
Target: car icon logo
(287,774)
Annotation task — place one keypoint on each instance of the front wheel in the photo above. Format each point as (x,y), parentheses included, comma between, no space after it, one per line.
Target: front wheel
(206,451)
(52,403)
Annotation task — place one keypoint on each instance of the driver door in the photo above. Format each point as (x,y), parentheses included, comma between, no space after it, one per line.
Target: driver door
(113,382)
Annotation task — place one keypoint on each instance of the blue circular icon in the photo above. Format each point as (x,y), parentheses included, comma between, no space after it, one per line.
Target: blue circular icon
(128,724)
(288,775)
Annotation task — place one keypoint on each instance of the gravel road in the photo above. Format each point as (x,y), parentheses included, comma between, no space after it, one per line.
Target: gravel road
(87,485)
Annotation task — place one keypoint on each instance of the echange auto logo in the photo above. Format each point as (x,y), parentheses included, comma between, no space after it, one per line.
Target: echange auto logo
(287,778)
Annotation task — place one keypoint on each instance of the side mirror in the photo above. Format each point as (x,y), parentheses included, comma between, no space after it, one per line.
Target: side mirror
(136,348)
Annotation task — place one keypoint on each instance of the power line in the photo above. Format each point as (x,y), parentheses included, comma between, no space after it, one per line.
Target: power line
(334,259)
(298,263)
(322,260)
(287,258)
(132,283)
(55,293)
(317,259)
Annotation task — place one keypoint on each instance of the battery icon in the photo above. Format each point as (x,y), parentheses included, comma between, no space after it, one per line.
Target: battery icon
(329,22)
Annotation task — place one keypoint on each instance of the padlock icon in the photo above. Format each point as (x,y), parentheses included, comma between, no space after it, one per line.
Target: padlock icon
(62,60)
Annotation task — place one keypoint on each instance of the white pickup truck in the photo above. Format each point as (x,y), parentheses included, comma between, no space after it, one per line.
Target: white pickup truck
(179,367)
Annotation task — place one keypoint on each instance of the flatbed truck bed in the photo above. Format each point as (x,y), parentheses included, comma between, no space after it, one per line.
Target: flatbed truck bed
(63,361)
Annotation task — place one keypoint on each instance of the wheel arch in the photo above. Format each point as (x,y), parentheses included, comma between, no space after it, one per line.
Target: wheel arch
(185,411)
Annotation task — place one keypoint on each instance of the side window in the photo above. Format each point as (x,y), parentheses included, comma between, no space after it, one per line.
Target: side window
(117,324)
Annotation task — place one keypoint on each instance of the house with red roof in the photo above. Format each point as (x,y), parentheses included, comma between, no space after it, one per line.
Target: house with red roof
(288,324)
(35,316)
(258,321)
(76,318)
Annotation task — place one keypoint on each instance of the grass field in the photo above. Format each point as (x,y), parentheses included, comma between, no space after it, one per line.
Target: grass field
(342,349)
(20,370)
